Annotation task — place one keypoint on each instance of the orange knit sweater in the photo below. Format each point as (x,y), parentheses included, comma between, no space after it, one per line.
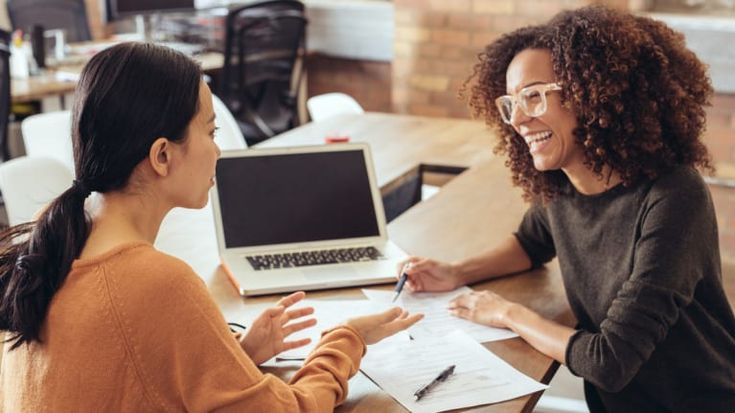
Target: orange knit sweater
(135,330)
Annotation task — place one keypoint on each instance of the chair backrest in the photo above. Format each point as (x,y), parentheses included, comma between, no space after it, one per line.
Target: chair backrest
(28,184)
(69,15)
(4,93)
(229,136)
(264,49)
(49,135)
(330,104)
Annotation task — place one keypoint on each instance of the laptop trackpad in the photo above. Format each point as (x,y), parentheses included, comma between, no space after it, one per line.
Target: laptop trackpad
(341,272)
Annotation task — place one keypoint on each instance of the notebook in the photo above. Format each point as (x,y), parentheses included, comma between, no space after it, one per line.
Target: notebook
(301,218)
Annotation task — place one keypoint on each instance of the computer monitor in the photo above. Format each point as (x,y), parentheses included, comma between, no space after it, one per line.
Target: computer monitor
(118,9)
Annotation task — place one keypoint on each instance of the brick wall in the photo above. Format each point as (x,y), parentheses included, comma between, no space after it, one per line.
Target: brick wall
(367,81)
(437,41)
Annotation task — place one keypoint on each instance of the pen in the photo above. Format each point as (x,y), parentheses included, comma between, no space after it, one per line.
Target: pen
(401,282)
(440,378)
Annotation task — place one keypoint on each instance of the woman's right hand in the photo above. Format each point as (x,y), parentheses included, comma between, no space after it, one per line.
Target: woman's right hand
(425,274)
(375,327)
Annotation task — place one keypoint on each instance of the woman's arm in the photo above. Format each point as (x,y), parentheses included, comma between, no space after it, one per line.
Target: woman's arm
(425,274)
(491,309)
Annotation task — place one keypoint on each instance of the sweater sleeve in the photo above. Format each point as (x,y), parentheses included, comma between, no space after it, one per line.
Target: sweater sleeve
(535,237)
(186,358)
(678,235)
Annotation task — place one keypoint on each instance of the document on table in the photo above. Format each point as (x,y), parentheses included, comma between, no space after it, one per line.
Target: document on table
(328,314)
(480,377)
(437,319)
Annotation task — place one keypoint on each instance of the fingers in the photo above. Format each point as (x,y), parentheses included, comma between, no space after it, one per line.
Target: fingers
(419,265)
(289,345)
(298,313)
(408,261)
(466,300)
(460,312)
(274,312)
(292,299)
(389,315)
(301,325)
(402,323)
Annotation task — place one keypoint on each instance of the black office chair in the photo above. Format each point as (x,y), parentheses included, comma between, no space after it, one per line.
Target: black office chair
(4,93)
(70,15)
(264,43)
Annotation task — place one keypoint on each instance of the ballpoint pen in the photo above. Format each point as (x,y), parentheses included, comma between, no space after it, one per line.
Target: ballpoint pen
(401,282)
(440,378)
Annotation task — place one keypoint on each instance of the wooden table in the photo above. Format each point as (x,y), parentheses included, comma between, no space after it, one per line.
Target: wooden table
(472,212)
(63,79)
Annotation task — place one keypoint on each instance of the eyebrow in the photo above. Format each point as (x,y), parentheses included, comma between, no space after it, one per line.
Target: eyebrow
(537,82)
(212,118)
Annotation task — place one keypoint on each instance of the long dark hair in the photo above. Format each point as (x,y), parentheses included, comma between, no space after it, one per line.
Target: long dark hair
(128,96)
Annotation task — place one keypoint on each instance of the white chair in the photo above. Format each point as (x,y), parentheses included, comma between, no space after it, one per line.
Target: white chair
(28,184)
(229,136)
(49,135)
(331,104)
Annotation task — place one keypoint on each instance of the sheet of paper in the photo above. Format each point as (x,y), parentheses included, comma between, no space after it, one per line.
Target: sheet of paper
(328,314)
(437,319)
(480,377)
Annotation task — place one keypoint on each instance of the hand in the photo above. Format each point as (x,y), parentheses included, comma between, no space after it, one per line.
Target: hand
(373,328)
(266,337)
(425,274)
(482,307)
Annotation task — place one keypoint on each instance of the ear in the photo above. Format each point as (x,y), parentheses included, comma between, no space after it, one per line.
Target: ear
(159,156)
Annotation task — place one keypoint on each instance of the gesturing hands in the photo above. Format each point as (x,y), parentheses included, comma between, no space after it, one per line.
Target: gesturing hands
(266,337)
(375,327)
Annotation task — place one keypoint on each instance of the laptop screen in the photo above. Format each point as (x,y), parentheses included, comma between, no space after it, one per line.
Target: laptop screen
(291,198)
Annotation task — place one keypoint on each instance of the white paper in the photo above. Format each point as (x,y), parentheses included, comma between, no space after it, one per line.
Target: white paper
(480,377)
(329,313)
(438,320)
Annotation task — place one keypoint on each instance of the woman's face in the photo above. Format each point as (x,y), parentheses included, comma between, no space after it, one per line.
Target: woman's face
(548,136)
(199,155)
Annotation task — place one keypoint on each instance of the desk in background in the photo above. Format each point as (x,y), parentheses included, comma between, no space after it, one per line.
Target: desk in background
(474,211)
(63,79)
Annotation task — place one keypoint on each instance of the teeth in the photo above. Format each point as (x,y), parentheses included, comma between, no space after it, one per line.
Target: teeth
(537,137)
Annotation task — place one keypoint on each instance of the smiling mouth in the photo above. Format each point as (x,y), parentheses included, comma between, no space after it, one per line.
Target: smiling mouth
(538,137)
(537,141)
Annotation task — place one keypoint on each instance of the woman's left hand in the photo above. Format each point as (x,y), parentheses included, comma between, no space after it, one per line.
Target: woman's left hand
(266,336)
(482,307)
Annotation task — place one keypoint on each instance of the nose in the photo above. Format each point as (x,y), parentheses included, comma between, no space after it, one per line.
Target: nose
(518,117)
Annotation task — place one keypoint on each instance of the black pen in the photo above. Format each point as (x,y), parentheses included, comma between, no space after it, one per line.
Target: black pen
(401,282)
(440,378)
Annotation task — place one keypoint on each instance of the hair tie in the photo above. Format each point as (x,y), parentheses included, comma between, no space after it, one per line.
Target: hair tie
(81,187)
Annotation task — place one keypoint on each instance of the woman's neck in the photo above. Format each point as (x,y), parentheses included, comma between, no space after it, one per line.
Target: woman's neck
(587,182)
(120,218)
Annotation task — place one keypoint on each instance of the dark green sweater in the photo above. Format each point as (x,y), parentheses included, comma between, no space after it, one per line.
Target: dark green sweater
(641,267)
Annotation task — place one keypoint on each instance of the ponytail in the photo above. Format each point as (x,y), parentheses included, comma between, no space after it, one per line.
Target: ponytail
(35,259)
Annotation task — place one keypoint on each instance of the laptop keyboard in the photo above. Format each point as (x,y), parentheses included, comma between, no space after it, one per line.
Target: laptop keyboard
(302,259)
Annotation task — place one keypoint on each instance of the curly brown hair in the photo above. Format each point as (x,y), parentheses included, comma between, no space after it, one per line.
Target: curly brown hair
(637,92)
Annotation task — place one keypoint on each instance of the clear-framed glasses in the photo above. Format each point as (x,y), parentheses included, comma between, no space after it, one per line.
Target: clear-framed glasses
(531,100)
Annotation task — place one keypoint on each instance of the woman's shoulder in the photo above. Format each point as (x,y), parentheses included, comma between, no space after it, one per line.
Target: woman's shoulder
(138,267)
(682,180)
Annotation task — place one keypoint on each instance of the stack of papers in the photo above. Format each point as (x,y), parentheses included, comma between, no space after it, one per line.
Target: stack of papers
(480,377)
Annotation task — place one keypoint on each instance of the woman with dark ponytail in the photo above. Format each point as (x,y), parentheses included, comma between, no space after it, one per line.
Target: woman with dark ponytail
(96,319)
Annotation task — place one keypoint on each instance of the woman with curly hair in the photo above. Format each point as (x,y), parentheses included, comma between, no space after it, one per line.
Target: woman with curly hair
(601,114)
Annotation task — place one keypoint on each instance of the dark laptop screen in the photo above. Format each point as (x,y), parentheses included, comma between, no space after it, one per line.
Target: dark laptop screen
(277,199)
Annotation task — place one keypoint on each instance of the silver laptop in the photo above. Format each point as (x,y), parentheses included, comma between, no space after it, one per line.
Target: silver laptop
(301,218)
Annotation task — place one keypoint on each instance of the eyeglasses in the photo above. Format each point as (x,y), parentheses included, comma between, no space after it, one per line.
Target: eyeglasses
(531,100)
